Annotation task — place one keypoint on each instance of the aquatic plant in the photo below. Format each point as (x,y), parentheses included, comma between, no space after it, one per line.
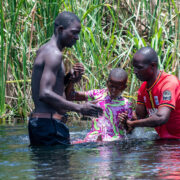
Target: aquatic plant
(111,32)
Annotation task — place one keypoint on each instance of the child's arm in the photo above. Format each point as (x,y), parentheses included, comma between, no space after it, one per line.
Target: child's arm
(74,74)
(73,95)
(71,78)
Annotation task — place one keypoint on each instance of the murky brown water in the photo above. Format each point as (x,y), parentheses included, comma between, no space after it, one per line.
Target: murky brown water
(134,158)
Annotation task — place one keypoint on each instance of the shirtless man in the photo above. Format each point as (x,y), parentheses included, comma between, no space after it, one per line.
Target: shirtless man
(46,125)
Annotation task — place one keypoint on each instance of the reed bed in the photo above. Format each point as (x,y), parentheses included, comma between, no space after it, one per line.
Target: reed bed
(112,31)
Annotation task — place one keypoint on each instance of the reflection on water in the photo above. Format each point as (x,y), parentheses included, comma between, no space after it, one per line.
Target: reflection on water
(133,158)
(169,158)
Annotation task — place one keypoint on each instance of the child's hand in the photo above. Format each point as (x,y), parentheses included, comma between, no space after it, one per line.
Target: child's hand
(77,72)
(129,123)
(134,116)
(123,118)
(99,138)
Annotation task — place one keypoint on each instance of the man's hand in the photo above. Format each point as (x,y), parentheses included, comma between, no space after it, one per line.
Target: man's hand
(130,126)
(127,124)
(77,72)
(91,110)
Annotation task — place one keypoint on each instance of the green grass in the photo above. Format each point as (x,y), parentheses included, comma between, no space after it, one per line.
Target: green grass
(112,31)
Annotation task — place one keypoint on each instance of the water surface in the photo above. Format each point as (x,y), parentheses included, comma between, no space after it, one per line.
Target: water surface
(140,156)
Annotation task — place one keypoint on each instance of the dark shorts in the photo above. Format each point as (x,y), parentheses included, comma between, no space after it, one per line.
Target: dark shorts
(47,132)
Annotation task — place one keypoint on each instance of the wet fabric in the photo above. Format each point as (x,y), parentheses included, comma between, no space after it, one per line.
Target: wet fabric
(107,127)
(47,132)
(164,92)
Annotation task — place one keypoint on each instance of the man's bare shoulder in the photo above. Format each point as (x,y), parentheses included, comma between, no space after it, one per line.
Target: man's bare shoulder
(48,54)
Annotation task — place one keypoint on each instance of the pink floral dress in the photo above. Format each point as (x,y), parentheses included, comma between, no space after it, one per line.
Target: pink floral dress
(107,127)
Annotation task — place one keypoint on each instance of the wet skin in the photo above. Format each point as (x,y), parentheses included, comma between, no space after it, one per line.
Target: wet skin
(48,75)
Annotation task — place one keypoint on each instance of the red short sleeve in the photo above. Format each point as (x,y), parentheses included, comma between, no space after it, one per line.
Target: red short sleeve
(140,99)
(169,93)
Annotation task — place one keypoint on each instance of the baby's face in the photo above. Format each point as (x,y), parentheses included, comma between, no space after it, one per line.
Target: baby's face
(116,87)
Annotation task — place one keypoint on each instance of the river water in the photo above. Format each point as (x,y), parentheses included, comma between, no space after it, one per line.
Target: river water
(140,156)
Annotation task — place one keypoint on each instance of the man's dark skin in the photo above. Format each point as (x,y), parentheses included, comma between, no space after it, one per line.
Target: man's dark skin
(49,74)
(146,71)
(47,122)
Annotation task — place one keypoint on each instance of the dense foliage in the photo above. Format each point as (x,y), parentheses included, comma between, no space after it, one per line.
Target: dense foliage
(112,30)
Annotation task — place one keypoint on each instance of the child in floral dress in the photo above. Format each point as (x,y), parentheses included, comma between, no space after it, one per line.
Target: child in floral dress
(106,127)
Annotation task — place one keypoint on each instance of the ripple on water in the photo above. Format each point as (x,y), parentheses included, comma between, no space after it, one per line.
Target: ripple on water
(140,156)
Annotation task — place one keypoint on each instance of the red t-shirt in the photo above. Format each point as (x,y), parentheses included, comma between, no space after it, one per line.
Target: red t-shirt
(164,92)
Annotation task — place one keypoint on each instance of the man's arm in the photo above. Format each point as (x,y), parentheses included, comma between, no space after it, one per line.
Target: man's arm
(140,112)
(166,96)
(47,94)
(157,119)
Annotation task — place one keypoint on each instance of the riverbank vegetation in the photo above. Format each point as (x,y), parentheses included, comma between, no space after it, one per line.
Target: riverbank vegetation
(112,30)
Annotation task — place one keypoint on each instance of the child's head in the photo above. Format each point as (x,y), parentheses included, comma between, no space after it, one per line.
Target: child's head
(117,82)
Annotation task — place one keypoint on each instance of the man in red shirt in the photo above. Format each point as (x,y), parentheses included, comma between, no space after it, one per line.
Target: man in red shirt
(158,103)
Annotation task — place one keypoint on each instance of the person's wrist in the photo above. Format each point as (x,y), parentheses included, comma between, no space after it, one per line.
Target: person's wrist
(71,81)
(79,108)
(134,123)
(131,123)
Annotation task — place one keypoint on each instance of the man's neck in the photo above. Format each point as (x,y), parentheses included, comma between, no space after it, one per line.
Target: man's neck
(57,40)
(153,79)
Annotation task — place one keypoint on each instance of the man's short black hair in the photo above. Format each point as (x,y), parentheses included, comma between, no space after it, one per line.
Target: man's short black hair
(149,54)
(65,19)
(118,73)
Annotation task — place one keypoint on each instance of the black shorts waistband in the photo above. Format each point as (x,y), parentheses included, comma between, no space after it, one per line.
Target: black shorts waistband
(57,116)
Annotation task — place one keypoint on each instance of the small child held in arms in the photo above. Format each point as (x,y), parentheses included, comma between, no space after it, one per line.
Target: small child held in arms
(108,126)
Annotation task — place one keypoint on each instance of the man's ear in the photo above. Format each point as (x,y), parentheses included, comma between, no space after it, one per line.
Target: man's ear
(153,64)
(60,28)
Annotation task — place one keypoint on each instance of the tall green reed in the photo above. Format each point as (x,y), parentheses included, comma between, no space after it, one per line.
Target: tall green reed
(144,25)
(112,31)
(17,49)
(2,87)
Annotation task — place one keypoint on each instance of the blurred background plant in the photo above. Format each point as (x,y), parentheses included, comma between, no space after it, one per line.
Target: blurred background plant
(112,31)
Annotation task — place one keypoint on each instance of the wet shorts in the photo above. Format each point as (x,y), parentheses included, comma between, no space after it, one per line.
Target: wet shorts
(47,132)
